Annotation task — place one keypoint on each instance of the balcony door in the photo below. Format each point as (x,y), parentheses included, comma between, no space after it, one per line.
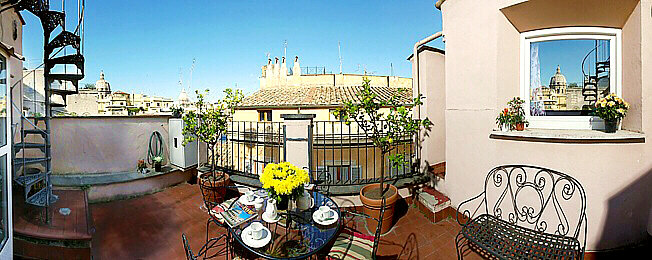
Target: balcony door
(6,242)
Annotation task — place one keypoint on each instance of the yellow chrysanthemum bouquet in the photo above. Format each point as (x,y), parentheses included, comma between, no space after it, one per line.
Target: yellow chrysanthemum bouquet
(284,181)
(611,109)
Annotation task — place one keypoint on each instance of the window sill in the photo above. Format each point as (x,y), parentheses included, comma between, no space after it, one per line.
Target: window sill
(569,136)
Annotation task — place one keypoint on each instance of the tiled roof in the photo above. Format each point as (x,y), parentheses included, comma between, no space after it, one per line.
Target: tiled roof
(322,96)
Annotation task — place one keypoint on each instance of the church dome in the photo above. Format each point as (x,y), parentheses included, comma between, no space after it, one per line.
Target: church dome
(183,97)
(102,85)
(558,79)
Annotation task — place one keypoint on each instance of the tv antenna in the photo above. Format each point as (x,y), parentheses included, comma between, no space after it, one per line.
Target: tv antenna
(192,68)
(285,48)
(339,51)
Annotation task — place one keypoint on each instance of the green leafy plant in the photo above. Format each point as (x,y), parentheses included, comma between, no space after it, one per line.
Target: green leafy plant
(132,111)
(177,112)
(385,130)
(512,115)
(208,123)
(611,108)
(157,159)
(517,111)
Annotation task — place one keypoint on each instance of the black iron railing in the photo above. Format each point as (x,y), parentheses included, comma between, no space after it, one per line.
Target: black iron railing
(345,155)
(249,146)
(341,154)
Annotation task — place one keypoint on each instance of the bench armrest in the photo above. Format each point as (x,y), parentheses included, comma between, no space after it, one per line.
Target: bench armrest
(468,209)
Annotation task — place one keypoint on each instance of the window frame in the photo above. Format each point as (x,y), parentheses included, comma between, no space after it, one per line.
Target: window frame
(6,150)
(570,33)
(266,115)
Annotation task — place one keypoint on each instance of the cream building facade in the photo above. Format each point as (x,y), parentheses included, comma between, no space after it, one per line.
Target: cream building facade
(485,65)
(284,92)
(101,101)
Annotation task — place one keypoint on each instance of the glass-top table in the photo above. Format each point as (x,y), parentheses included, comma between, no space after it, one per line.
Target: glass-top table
(295,235)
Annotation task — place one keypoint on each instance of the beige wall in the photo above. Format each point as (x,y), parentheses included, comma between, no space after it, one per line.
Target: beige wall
(103,144)
(482,73)
(433,89)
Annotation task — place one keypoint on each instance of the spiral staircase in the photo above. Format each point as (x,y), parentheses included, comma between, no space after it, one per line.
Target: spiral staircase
(600,73)
(60,79)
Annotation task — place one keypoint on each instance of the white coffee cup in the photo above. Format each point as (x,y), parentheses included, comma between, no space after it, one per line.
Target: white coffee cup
(258,203)
(325,212)
(256,230)
(249,195)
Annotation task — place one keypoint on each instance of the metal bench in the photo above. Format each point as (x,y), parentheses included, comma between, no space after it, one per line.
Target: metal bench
(525,212)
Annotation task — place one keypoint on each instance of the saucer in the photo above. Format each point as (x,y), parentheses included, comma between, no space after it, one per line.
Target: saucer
(244,201)
(249,241)
(269,219)
(333,219)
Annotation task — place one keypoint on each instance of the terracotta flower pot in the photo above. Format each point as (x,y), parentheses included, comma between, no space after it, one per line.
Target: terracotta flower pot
(372,207)
(214,190)
(520,126)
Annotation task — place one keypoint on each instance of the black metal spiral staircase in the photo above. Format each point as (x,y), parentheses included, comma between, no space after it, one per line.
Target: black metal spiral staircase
(590,89)
(34,146)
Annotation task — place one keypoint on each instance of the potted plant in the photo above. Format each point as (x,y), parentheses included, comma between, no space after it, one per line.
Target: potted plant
(157,161)
(283,182)
(611,109)
(177,112)
(208,124)
(141,167)
(385,130)
(517,118)
(503,120)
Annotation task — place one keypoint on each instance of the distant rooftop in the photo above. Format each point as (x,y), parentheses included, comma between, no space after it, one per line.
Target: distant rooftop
(317,96)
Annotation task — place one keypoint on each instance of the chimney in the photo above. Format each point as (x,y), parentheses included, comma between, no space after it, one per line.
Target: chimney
(296,69)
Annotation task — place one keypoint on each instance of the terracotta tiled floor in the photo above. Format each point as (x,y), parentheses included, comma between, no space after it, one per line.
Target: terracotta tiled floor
(150,227)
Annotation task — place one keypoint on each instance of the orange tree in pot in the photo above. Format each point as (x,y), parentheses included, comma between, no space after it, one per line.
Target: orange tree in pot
(386,130)
(207,124)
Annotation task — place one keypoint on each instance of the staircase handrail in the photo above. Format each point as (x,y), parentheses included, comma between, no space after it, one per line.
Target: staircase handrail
(587,55)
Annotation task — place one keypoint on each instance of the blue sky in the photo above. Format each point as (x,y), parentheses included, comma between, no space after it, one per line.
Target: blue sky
(568,54)
(142,45)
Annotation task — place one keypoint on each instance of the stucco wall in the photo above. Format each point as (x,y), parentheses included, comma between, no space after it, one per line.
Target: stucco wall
(482,73)
(433,89)
(103,144)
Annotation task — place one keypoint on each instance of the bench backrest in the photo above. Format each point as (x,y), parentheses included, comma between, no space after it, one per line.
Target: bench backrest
(537,198)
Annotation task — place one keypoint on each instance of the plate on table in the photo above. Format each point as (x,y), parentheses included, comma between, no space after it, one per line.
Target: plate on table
(244,201)
(268,219)
(256,243)
(329,221)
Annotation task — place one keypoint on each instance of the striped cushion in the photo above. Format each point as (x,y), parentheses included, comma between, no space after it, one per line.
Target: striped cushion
(352,245)
(215,212)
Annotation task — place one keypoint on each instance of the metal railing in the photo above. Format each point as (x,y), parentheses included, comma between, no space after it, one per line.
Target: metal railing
(249,146)
(345,155)
(341,154)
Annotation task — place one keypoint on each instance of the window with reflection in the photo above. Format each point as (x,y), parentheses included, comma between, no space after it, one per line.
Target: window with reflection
(567,77)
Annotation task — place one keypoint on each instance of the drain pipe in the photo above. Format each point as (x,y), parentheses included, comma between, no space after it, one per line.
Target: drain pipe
(416,63)
(439,3)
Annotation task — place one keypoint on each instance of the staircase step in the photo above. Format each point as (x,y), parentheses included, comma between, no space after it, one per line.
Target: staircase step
(19,161)
(77,59)
(29,145)
(40,198)
(57,105)
(34,6)
(67,77)
(64,38)
(34,132)
(63,92)
(50,19)
(433,204)
(30,179)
